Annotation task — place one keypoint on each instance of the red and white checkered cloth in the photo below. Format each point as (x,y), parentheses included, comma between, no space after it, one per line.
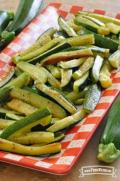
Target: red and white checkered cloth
(77,137)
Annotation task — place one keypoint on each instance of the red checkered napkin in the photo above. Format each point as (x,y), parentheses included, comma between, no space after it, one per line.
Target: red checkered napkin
(77,137)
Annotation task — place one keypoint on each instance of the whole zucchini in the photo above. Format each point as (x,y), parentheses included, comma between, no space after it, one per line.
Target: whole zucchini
(26,11)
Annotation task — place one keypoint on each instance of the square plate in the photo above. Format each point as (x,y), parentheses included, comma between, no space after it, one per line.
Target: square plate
(76,138)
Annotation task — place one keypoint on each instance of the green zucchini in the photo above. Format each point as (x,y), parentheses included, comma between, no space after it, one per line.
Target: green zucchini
(92,97)
(64,56)
(20,106)
(78,83)
(66,76)
(26,11)
(29,150)
(81,40)
(85,67)
(96,68)
(79,101)
(64,26)
(24,125)
(71,63)
(57,96)
(33,54)
(34,72)
(4,123)
(20,81)
(115,29)
(73,96)
(114,59)
(109,147)
(105,75)
(35,138)
(103,18)
(68,121)
(54,70)
(36,100)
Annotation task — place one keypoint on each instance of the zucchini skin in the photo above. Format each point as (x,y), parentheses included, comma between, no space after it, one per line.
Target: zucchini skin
(109,147)
(26,11)
(22,123)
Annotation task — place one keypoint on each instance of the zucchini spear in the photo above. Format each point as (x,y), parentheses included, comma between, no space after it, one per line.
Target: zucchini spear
(109,147)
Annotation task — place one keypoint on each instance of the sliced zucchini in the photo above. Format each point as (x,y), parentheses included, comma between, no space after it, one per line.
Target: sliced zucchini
(66,76)
(105,76)
(81,40)
(96,68)
(55,71)
(20,81)
(4,123)
(35,138)
(103,30)
(115,29)
(34,72)
(57,96)
(92,97)
(21,106)
(37,52)
(78,83)
(36,100)
(64,26)
(64,56)
(79,101)
(83,68)
(24,125)
(73,96)
(68,121)
(114,59)
(71,63)
(29,150)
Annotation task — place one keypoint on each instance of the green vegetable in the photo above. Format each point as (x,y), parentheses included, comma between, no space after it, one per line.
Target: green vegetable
(109,147)
(36,100)
(66,76)
(29,150)
(78,83)
(4,123)
(26,11)
(64,26)
(113,28)
(96,68)
(68,121)
(57,96)
(73,96)
(114,59)
(64,56)
(20,81)
(55,71)
(83,68)
(92,97)
(21,107)
(24,125)
(6,37)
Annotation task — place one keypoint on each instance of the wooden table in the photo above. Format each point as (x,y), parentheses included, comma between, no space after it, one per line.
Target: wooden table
(88,158)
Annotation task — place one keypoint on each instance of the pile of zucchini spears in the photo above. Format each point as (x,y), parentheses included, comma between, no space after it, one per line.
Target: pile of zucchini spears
(57,81)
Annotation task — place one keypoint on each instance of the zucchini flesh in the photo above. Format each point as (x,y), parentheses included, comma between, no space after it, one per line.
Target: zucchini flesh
(57,96)
(75,95)
(21,106)
(92,97)
(113,28)
(20,81)
(81,40)
(114,59)
(109,147)
(24,125)
(78,83)
(71,63)
(54,70)
(105,76)
(83,68)
(35,100)
(35,138)
(64,26)
(68,121)
(29,150)
(34,72)
(4,123)
(64,56)
(66,76)
(96,68)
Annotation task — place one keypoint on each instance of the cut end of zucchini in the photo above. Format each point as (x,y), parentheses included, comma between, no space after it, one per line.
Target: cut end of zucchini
(108,153)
